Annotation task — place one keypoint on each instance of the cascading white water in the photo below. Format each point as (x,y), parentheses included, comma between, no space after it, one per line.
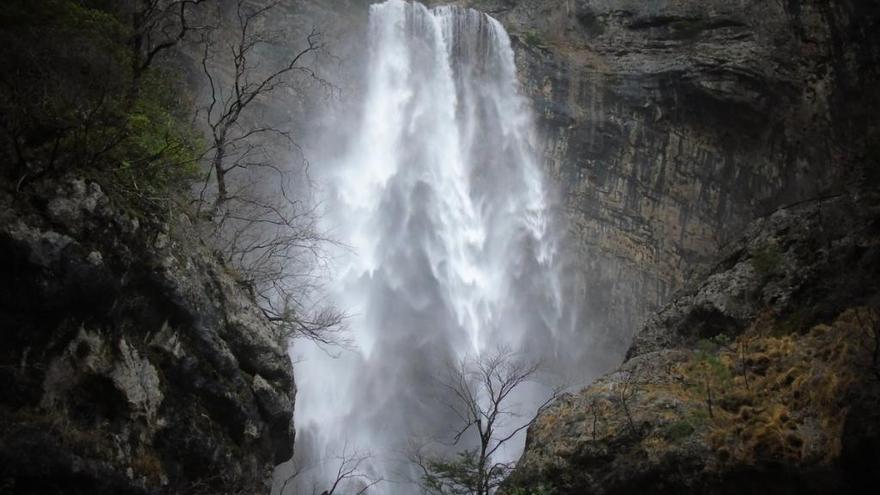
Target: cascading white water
(453,248)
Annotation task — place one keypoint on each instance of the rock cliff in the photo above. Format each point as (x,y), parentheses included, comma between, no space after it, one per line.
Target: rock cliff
(132,362)
(670,125)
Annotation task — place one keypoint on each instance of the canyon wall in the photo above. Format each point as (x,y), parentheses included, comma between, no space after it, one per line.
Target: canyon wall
(671,124)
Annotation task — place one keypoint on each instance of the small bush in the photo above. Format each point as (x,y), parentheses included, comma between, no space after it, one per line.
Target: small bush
(161,151)
(678,430)
(532,38)
(767,261)
(74,101)
(539,490)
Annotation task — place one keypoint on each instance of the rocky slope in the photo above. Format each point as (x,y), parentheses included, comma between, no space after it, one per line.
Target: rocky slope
(670,125)
(764,377)
(132,362)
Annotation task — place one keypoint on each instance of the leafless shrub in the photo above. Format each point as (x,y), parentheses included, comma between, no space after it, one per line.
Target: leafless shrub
(350,475)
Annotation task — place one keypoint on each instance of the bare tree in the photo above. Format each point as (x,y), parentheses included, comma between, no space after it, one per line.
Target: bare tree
(233,145)
(480,390)
(157,27)
(711,373)
(597,409)
(626,389)
(254,213)
(350,475)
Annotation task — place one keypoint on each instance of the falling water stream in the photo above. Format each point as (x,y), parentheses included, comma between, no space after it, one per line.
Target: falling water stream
(451,248)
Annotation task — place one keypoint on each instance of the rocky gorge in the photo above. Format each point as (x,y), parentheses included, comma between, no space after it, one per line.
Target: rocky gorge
(717,163)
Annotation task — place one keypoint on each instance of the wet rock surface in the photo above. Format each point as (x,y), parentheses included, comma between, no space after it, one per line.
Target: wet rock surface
(132,362)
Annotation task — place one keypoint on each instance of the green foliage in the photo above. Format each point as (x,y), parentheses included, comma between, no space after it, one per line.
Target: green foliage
(709,373)
(698,417)
(71,100)
(767,260)
(793,323)
(458,476)
(161,150)
(708,364)
(539,490)
(678,430)
(64,61)
(714,344)
(533,39)
(462,475)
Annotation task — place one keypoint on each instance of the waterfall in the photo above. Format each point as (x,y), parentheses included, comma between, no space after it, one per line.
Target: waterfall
(451,248)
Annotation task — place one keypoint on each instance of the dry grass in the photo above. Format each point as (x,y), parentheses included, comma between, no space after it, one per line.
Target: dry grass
(787,402)
(775,396)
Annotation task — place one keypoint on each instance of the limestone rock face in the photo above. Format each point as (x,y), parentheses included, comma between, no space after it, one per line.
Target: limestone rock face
(669,125)
(132,361)
(761,378)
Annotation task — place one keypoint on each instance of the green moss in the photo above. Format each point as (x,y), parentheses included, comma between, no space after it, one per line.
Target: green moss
(532,38)
(708,364)
(678,430)
(698,417)
(714,344)
(539,490)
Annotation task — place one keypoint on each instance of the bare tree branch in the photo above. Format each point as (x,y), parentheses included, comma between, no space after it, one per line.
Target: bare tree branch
(158,26)
(350,475)
(479,391)
(246,205)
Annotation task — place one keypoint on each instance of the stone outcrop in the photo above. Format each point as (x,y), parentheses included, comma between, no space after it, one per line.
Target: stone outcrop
(762,378)
(132,361)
